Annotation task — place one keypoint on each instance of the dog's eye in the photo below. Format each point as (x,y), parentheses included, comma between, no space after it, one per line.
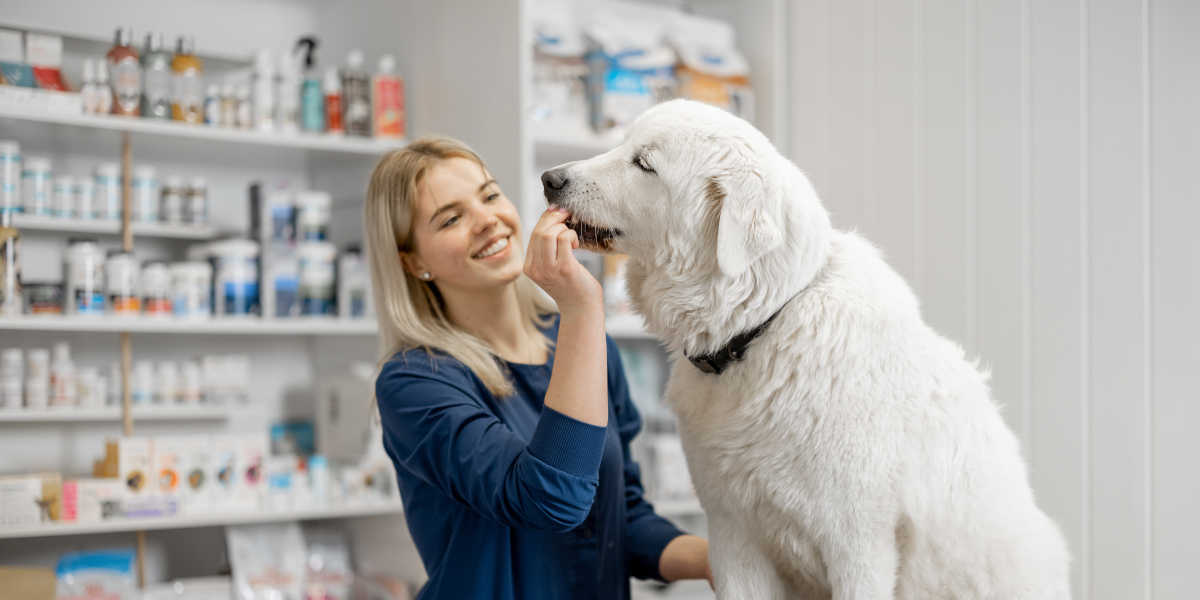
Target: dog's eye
(642,164)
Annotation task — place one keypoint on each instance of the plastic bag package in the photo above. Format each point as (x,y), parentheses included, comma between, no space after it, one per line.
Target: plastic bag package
(107,574)
(559,71)
(711,69)
(268,561)
(631,66)
(330,575)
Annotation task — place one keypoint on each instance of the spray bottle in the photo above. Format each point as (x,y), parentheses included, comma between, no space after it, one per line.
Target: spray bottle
(312,100)
(156,78)
(333,102)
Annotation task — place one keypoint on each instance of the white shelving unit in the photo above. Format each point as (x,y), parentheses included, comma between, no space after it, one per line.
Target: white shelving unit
(108,227)
(113,413)
(216,326)
(211,520)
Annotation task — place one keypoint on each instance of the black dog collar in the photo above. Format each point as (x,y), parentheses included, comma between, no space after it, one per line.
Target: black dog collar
(735,350)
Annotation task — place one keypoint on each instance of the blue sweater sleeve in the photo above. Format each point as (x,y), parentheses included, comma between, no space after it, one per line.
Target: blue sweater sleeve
(441,431)
(646,534)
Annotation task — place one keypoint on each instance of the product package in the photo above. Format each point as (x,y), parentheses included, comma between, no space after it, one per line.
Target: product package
(92,574)
(240,463)
(197,476)
(20,501)
(711,69)
(135,466)
(631,65)
(273,223)
(268,561)
(330,574)
(96,499)
(559,71)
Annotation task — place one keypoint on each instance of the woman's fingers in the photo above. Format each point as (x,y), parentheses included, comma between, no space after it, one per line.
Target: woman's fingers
(567,241)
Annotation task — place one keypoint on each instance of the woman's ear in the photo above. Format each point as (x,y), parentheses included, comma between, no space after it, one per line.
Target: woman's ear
(412,264)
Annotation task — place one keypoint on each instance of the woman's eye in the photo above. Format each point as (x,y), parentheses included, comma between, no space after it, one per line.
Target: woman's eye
(450,221)
(643,165)
(491,197)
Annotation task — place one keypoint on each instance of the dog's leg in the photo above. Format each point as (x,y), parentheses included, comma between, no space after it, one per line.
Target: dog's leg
(862,562)
(741,571)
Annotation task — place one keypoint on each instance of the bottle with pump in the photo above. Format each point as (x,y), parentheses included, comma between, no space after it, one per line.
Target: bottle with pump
(312,99)
(126,71)
(156,78)
(356,96)
(287,96)
(104,93)
(188,97)
(88,90)
(333,102)
(264,91)
(387,100)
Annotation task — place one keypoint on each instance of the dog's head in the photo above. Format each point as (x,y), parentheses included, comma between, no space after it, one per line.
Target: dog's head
(692,186)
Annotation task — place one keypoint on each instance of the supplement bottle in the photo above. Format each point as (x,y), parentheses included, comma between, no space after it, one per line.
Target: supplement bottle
(10,175)
(126,72)
(84,206)
(156,78)
(156,289)
(212,105)
(317,280)
(84,278)
(63,390)
(313,215)
(108,191)
(10,265)
(195,209)
(37,379)
(187,99)
(36,186)
(235,277)
(121,273)
(144,190)
(171,210)
(64,196)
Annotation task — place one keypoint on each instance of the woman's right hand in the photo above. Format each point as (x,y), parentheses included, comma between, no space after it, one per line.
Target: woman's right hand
(550,263)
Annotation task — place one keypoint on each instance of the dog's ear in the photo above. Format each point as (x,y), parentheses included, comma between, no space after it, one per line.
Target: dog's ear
(749,221)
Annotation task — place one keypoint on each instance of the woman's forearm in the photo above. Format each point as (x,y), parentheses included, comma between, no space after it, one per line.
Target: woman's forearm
(686,557)
(579,385)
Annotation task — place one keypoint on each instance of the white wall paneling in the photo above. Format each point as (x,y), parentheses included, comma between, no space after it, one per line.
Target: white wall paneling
(1031,168)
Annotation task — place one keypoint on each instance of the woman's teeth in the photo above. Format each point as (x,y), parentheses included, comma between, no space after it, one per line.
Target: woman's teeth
(500,244)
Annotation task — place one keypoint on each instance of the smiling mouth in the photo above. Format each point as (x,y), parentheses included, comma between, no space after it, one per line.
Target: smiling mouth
(593,237)
(495,248)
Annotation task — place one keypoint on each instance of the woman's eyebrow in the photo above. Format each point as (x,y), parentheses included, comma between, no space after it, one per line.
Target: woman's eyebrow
(442,209)
(486,183)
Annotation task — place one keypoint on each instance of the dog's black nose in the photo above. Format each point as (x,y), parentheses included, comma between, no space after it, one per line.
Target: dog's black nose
(553,183)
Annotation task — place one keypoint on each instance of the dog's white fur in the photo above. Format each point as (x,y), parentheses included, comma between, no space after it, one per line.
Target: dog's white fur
(854,453)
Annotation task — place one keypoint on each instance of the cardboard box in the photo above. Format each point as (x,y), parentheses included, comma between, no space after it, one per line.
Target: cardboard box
(135,466)
(20,501)
(99,499)
(27,583)
(197,478)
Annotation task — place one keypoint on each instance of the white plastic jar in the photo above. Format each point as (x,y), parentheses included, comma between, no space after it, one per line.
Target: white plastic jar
(108,191)
(10,175)
(191,290)
(144,194)
(142,384)
(156,289)
(196,203)
(166,382)
(312,216)
(121,273)
(84,278)
(235,277)
(317,280)
(84,206)
(171,208)
(63,204)
(36,184)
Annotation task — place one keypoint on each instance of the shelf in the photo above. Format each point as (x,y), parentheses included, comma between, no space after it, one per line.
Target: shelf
(224,326)
(211,520)
(113,413)
(627,327)
(297,141)
(109,227)
(557,147)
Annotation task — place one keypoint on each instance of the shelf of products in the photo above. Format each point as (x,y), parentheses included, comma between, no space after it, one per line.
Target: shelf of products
(211,520)
(113,413)
(231,326)
(111,227)
(296,141)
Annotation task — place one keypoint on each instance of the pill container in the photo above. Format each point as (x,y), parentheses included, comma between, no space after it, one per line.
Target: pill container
(317,281)
(142,382)
(121,274)
(196,202)
(190,382)
(312,215)
(156,289)
(36,186)
(84,278)
(10,175)
(63,204)
(107,199)
(43,298)
(171,208)
(166,382)
(12,378)
(144,194)
(191,290)
(84,206)
(235,277)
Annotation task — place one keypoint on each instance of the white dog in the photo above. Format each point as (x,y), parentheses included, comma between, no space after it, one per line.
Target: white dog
(847,450)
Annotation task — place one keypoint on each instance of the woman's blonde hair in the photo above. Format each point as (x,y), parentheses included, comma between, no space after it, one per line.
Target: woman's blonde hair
(411,311)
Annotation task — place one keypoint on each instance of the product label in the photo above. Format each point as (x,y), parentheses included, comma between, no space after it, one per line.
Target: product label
(157,96)
(389,107)
(126,77)
(356,94)
(36,192)
(158,306)
(313,103)
(10,180)
(189,91)
(125,305)
(241,297)
(145,200)
(89,303)
(108,197)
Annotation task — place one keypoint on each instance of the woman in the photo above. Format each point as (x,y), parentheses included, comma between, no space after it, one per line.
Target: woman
(509,425)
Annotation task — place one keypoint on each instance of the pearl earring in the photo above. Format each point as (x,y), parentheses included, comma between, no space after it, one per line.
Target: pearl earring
(426,275)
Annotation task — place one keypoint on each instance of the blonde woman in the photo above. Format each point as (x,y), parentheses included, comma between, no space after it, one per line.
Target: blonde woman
(508,420)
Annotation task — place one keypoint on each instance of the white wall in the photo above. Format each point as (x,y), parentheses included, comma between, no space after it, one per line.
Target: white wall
(1031,169)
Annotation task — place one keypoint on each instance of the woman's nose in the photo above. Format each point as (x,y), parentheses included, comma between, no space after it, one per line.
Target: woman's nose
(486,221)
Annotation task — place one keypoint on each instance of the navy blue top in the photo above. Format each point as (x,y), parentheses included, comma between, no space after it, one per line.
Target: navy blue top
(508,499)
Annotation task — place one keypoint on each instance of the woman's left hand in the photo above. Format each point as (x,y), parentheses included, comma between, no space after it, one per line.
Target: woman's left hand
(685,557)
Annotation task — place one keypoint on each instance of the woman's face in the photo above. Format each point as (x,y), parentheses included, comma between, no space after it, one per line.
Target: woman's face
(467,234)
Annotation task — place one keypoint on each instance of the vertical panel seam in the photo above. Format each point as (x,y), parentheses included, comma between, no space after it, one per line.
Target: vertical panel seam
(1085,307)
(1026,234)
(1147,319)
(972,207)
